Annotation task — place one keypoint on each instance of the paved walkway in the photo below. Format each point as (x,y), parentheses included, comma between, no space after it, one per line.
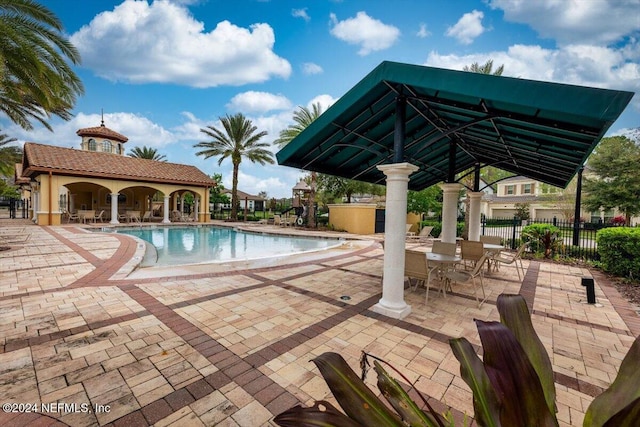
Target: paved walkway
(86,339)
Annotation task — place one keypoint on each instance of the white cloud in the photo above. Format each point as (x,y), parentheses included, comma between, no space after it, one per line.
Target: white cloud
(311,68)
(161,42)
(253,184)
(584,22)
(467,28)
(258,102)
(574,64)
(423,32)
(140,131)
(370,34)
(301,13)
(324,100)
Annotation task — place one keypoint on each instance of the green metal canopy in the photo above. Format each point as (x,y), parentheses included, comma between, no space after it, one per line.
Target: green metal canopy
(446,121)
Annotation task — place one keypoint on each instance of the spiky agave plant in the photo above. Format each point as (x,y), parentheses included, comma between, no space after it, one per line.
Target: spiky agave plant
(512,384)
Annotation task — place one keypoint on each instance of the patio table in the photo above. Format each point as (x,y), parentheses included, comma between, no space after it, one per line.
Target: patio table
(85,215)
(492,250)
(442,262)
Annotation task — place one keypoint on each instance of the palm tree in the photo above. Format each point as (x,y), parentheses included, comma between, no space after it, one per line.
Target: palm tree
(236,140)
(487,68)
(9,155)
(302,118)
(147,153)
(35,79)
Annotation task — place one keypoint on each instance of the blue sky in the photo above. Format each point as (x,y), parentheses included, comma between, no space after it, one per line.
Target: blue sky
(162,70)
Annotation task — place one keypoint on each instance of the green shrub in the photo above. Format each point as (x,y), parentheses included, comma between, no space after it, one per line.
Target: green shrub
(619,249)
(543,239)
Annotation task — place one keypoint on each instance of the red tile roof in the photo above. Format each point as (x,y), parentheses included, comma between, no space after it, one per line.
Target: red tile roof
(103,132)
(41,158)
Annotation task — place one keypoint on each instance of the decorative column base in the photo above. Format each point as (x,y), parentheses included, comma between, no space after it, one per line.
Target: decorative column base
(394,313)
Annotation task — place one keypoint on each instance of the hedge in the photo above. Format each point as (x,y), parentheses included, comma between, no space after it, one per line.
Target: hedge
(619,249)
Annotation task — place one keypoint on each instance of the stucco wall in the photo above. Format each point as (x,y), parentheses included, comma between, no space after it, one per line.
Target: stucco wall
(357,218)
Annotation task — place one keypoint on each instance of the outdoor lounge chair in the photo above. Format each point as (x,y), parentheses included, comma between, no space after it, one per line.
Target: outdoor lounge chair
(148,215)
(463,276)
(408,232)
(423,236)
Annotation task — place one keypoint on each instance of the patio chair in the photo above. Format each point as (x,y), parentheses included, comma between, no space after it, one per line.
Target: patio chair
(99,217)
(148,215)
(444,248)
(509,258)
(473,276)
(494,240)
(72,217)
(423,236)
(471,252)
(416,266)
(277,220)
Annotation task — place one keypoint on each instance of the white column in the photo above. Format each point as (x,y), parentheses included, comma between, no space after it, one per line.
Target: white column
(114,209)
(450,197)
(474,215)
(196,207)
(35,204)
(165,210)
(392,303)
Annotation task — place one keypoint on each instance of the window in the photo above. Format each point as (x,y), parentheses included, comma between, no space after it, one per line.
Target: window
(106,146)
(527,188)
(509,190)
(119,149)
(92,145)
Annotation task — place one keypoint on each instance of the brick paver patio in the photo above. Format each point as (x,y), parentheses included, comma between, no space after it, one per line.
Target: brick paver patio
(87,339)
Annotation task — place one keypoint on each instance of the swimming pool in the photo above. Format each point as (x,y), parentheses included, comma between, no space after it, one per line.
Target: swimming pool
(189,245)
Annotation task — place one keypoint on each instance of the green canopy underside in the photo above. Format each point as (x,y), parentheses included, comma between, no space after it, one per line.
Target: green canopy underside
(541,130)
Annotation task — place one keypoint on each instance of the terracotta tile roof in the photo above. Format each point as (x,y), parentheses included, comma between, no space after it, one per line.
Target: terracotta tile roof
(103,132)
(41,158)
(18,177)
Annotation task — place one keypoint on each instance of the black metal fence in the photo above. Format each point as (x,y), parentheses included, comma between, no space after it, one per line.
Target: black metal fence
(18,208)
(582,246)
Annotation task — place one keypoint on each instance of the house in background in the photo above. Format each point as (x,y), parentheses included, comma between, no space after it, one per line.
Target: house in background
(521,190)
(99,177)
(545,202)
(253,203)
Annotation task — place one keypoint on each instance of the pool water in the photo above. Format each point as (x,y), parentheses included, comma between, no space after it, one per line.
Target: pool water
(188,245)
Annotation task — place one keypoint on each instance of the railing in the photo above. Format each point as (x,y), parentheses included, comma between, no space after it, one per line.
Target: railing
(582,246)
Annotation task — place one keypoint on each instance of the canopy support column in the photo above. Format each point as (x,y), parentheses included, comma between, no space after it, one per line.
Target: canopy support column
(577,209)
(450,198)
(399,129)
(392,303)
(474,214)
